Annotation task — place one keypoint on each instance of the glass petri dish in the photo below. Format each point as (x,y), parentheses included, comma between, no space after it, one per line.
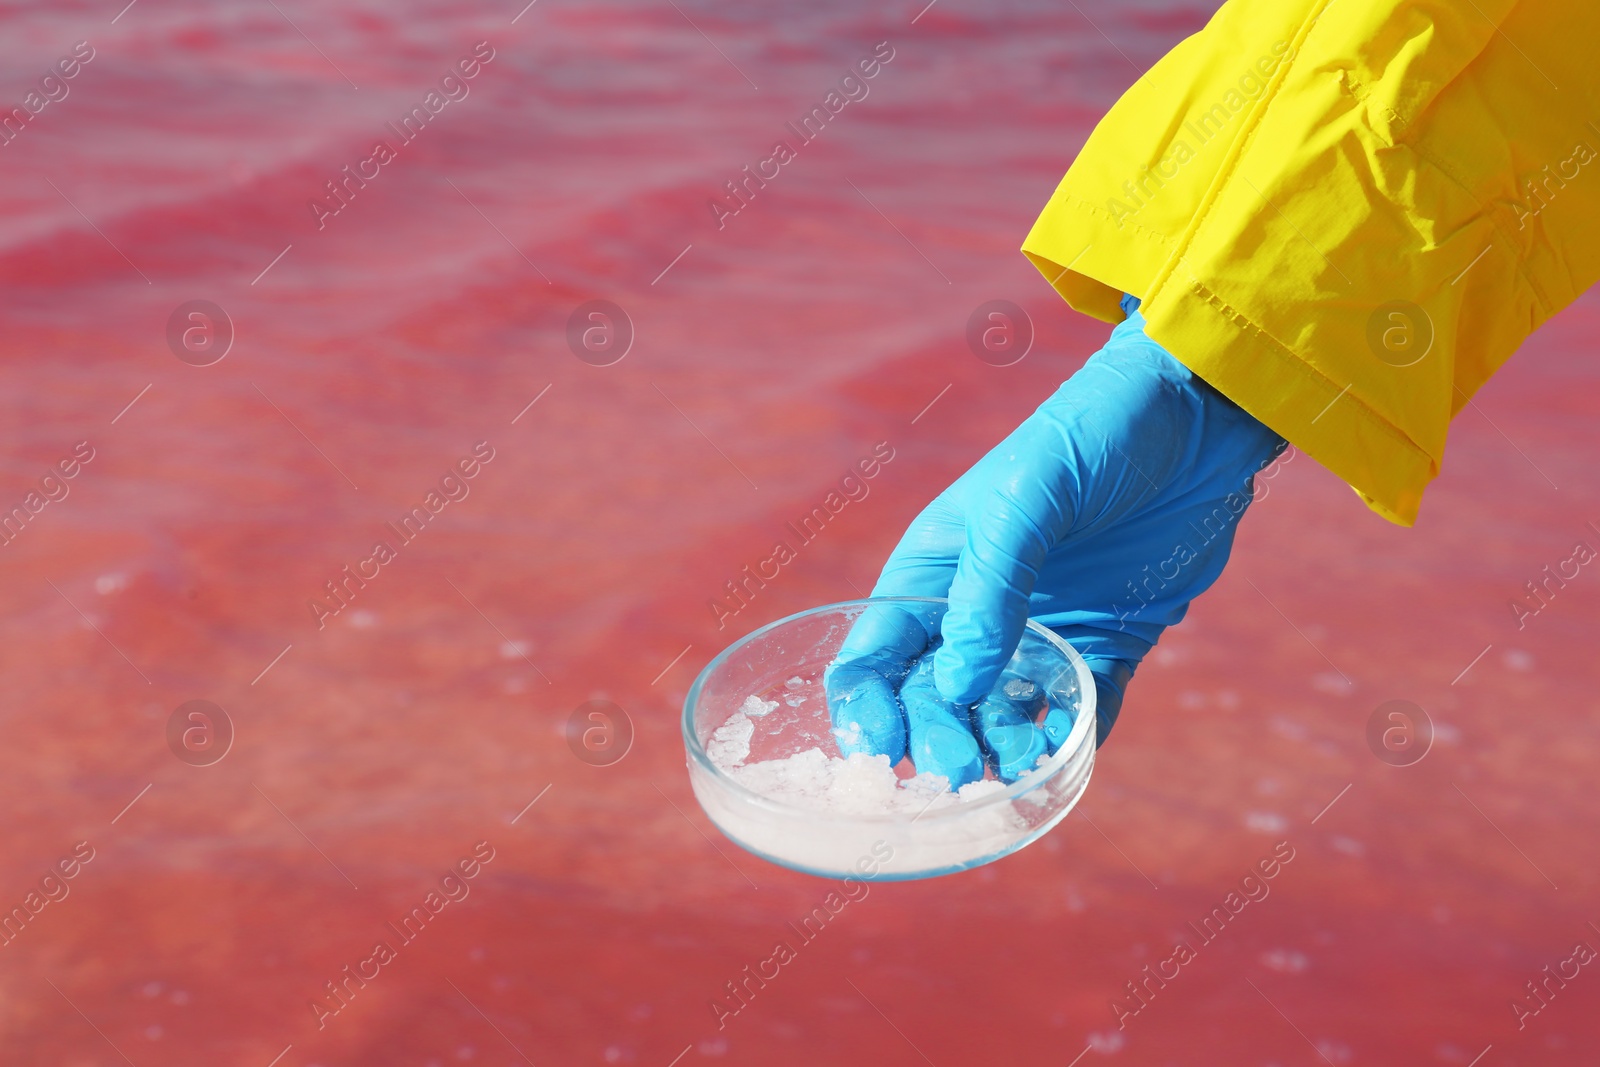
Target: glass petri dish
(759,708)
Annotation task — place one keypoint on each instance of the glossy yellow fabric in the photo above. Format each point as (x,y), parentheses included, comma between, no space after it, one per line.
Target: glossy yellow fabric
(1283,189)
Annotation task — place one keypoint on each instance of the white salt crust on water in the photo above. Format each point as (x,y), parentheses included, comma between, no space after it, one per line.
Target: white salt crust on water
(840,791)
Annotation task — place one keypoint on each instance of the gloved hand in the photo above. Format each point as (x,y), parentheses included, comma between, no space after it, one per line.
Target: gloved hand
(1101,517)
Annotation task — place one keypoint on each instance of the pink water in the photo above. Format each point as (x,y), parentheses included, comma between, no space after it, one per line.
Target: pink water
(374,754)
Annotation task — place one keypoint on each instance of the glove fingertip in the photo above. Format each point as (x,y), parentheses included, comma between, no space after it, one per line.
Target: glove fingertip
(867,717)
(961,679)
(1014,749)
(1057,727)
(948,751)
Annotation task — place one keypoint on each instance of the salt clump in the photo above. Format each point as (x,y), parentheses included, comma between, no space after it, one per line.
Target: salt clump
(755,707)
(856,785)
(730,744)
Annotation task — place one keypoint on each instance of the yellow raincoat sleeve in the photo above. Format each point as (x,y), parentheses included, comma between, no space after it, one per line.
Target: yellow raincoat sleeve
(1345,216)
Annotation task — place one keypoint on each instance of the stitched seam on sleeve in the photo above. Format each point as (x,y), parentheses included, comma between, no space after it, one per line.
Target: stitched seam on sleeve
(1306,370)
(1102,215)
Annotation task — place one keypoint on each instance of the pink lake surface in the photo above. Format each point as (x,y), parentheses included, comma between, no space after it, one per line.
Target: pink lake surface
(373,754)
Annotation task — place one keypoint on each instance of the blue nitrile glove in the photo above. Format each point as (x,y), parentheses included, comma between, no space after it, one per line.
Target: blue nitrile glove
(1101,517)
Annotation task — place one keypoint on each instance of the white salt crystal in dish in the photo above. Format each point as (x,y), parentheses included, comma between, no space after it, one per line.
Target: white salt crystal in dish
(854,785)
(755,707)
(730,744)
(983,787)
(1020,689)
(845,807)
(858,784)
